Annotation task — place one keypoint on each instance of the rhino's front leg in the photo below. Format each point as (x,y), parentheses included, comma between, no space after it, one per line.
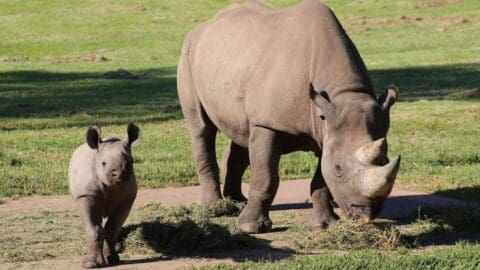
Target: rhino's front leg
(264,158)
(91,215)
(323,214)
(113,228)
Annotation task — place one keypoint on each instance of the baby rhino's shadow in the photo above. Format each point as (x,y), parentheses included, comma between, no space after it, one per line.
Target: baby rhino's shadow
(203,238)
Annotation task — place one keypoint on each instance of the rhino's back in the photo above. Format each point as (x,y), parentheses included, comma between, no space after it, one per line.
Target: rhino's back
(252,65)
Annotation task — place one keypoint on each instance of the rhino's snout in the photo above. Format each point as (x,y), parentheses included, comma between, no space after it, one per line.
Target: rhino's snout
(115,173)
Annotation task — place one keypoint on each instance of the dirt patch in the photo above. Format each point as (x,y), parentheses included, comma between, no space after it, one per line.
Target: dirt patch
(87,58)
(291,195)
(436,3)
(467,94)
(119,9)
(364,23)
(170,236)
(157,236)
(16,58)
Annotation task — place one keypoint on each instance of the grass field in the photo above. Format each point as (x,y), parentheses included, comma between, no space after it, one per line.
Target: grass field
(53,85)
(54,62)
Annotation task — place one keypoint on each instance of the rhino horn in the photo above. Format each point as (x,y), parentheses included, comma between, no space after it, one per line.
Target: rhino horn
(371,152)
(378,180)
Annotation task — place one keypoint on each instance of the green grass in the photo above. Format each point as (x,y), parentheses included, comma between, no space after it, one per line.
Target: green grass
(461,256)
(52,87)
(53,60)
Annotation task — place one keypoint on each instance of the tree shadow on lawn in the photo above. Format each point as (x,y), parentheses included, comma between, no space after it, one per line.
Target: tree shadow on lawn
(437,82)
(148,96)
(189,238)
(50,94)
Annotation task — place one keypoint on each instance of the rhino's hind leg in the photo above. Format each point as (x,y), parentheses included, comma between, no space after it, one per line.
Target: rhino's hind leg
(113,228)
(264,153)
(323,214)
(92,220)
(203,147)
(202,132)
(234,163)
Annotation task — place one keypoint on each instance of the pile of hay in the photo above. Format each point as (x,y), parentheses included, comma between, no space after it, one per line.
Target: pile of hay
(352,235)
(182,230)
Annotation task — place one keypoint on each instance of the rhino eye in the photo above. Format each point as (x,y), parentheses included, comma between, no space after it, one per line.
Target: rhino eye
(338,170)
(104,163)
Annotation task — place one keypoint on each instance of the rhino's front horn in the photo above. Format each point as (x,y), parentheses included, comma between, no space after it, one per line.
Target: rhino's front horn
(370,153)
(378,181)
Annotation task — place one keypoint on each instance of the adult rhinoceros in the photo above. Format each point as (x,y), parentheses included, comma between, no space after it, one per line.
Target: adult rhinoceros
(278,81)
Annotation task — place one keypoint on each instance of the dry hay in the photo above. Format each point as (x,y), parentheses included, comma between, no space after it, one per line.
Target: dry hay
(353,235)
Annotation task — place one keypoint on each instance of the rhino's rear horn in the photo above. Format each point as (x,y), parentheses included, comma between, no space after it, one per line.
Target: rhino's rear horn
(378,181)
(373,153)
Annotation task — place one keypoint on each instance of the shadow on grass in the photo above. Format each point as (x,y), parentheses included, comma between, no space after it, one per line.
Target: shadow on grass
(189,238)
(445,221)
(447,225)
(455,81)
(50,94)
(464,193)
(150,97)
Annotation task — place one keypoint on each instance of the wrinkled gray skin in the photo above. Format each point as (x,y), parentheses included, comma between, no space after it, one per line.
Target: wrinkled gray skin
(103,184)
(278,81)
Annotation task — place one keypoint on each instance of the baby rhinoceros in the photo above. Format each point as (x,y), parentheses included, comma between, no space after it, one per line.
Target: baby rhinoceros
(103,184)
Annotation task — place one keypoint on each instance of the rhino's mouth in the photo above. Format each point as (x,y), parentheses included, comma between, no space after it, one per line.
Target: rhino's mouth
(356,211)
(115,183)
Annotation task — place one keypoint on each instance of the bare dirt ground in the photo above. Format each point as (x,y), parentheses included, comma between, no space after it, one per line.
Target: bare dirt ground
(291,195)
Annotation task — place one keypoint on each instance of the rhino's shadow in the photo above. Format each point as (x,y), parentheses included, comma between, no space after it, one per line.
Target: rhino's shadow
(204,239)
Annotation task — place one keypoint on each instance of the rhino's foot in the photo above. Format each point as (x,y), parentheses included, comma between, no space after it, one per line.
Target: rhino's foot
(210,196)
(111,255)
(120,246)
(113,259)
(89,262)
(322,222)
(94,257)
(236,196)
(261,225)
(210,200)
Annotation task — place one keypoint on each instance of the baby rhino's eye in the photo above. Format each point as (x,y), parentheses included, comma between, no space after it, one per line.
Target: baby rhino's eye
(338,170)
(104,163)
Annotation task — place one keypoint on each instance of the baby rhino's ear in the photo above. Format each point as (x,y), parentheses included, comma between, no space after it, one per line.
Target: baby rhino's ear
(133,136)
(93,136)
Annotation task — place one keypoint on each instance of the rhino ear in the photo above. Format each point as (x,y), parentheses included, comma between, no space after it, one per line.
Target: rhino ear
(133,136)
(93,136)
(387,99)
(325,108)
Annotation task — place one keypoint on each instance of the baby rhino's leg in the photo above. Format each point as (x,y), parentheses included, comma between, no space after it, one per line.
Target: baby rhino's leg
(113,228)
(91,215)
